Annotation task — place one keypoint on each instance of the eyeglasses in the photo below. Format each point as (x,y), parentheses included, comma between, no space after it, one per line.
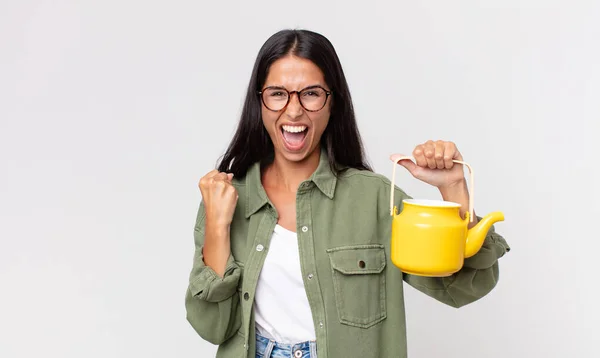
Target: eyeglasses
(311,98)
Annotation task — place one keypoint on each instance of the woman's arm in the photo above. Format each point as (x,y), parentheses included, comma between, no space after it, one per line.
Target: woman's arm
(434,164)
(478,276)
(211,301)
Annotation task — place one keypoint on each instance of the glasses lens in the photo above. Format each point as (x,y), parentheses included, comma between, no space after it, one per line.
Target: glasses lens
(313,99)
(275,98)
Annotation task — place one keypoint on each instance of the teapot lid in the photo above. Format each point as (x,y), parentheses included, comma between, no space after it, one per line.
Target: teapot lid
(434,203)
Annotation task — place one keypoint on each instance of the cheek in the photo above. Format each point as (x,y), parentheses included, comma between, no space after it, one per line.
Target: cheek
(323,120)
(268,119)
(320,123)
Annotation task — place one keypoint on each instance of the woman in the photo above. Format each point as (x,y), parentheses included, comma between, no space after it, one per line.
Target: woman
(293,207)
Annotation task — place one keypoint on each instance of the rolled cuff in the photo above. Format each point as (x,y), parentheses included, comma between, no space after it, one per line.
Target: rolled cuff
(206,285)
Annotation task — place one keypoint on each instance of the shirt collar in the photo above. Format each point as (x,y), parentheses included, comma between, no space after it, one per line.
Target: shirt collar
(323,178)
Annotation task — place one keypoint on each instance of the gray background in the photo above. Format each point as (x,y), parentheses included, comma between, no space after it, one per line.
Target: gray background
(110,112)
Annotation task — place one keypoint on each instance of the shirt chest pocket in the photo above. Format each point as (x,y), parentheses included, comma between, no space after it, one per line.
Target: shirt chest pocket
(359,283)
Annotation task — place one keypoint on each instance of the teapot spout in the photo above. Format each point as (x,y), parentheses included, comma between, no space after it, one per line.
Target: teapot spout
(476,235)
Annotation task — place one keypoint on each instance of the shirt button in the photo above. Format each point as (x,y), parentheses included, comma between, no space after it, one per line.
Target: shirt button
(310,276)
(260,248)
(321,324)
(304,228)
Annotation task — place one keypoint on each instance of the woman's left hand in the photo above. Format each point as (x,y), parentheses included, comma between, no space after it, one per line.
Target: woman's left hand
(434,164)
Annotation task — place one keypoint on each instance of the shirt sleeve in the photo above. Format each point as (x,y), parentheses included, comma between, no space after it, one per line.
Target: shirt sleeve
(205,284)
(478,276)
(212,305)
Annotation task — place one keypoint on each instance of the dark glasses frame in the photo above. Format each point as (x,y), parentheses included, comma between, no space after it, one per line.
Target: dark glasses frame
(261,94)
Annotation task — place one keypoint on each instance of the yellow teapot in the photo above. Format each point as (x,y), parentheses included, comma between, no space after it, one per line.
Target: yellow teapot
(429,238)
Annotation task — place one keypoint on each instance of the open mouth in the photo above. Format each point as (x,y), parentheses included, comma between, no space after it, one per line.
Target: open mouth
(294,137)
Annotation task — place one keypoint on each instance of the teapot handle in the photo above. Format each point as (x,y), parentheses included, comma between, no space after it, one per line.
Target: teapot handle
(471,180)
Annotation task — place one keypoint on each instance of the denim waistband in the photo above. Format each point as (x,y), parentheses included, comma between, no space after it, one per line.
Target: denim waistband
(268,348)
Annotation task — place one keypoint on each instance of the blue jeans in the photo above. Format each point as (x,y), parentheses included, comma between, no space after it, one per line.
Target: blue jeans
(266,348)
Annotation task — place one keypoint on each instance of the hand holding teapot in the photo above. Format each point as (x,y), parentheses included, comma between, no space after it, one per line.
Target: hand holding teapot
(434,164)
(430,237)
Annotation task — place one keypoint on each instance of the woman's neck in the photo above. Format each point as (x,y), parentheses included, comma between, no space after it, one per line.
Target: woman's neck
(285,175)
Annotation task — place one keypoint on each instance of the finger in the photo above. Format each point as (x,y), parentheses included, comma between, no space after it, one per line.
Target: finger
(405,161)
(206,178)
(229,189)
(220,177)
(449,154)
(409,165)
(229,177)
(439,154)
(430,154)
(211,174)
(419,155)
(457,154)
(396,157)
(224,190)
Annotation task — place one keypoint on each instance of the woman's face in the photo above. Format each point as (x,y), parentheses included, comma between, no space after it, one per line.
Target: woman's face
(294,130)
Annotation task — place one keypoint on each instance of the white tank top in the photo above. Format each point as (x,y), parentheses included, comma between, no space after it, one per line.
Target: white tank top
(281,307)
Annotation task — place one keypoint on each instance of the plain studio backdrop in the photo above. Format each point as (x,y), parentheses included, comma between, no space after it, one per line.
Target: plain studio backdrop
(111,111)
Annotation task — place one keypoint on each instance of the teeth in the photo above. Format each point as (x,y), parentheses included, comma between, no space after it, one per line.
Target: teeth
(294,129)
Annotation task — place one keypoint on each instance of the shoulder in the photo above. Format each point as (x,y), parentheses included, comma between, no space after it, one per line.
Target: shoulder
(368,180)
(366,176)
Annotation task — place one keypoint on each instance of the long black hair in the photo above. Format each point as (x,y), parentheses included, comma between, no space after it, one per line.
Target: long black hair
(341,139)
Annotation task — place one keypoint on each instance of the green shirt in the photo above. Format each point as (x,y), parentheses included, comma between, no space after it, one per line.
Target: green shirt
(357,312)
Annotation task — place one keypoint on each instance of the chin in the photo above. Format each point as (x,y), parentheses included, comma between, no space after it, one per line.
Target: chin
(297,156)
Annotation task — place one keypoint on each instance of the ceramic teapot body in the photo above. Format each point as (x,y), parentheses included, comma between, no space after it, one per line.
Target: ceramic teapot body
(429,237)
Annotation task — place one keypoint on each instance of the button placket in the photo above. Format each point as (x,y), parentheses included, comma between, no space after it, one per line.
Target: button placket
(308,262)
(266,224)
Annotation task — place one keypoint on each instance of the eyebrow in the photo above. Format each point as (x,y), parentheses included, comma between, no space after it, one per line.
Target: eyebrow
(307,87)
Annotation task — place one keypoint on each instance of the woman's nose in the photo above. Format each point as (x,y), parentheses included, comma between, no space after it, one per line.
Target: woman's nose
(294,108)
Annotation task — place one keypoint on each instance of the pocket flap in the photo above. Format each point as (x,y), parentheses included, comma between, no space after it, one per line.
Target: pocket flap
(358,259)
